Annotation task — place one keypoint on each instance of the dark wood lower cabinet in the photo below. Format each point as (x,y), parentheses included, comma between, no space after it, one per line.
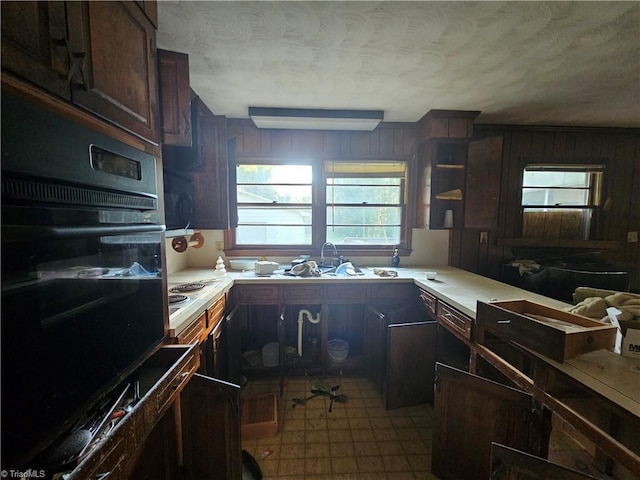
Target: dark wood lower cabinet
(400,354)
(211,429)
(470,413)
(159,458)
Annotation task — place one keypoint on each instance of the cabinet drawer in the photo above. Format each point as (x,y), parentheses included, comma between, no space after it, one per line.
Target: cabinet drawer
(391,291)
(194,332)
(109,458)
(162,377)
(308,293)
(554,333)
(457,321)
(113,456)
(350,293)
(215,313)
(427,301)
(175,384)
(256,293)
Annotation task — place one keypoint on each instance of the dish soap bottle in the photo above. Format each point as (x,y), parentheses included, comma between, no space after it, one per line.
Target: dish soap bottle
(395,259)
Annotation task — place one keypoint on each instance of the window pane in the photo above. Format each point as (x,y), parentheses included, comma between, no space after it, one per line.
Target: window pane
(273,235)
(556,223)
(274,216)
(271,201)
(364,216)
(279,174)
(555,196)
(555,179)
(358,194)
(365,235)
(274,194)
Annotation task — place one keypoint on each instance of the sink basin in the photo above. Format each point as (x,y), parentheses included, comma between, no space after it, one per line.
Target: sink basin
(346,269)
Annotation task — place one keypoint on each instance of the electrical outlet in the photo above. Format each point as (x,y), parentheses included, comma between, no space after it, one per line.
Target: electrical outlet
(483,237)
(219,246)
(632,237)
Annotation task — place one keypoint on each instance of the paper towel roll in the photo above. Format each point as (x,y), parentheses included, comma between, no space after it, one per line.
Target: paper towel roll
(448,219)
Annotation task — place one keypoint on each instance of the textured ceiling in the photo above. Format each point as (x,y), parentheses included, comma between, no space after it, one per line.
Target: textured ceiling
(544,63)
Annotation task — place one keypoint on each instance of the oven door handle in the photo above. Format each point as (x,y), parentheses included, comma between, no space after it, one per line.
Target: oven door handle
(31,232)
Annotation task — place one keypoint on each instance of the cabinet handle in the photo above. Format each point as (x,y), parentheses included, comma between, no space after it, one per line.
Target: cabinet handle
(76,60)
(504,322)
(183,375)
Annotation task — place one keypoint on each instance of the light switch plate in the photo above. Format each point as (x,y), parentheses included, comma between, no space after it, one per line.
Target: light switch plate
(632,237)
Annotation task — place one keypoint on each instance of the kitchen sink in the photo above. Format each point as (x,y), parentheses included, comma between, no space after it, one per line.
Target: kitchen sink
(346,269)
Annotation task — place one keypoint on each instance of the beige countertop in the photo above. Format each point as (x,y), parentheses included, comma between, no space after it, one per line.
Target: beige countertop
(605,372)
(459,288)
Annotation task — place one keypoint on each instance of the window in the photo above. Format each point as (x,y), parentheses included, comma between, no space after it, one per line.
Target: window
(560,201)
(365,202)
(359,206)
(274,204)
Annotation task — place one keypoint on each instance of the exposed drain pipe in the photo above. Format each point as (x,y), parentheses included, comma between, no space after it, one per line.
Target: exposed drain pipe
(311,318)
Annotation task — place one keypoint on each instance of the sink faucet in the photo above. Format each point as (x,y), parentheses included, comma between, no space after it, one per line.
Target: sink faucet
(335,252)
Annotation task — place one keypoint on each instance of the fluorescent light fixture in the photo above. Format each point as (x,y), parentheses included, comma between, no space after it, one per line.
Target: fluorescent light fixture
(315,119)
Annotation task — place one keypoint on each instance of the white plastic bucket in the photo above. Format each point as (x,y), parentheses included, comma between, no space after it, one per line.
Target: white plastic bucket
(271,354)
(337,349)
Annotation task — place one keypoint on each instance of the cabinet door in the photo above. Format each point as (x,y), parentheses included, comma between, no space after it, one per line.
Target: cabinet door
(232,163)
(175,98)
(484,165)
(34,44)
(469,414)
(233,346)
(114,70)
(411,359)
(400,355)
(211,429)
(158,459)
(510,464)
(375,346)
(210,181)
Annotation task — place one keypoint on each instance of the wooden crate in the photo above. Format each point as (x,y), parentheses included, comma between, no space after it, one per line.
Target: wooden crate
(259,416)
(554,333)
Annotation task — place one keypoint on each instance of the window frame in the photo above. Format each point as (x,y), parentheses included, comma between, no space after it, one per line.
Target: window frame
(319,209)
(596,191)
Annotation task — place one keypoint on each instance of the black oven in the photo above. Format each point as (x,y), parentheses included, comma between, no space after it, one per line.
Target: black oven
(83,299)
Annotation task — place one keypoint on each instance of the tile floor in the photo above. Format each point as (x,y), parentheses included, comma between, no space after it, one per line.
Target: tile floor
(359,439)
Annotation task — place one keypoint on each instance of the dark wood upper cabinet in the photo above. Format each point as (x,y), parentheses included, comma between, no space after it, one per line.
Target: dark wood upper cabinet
(34,44)
(175,98)
(99,55)
(118,77)
(211,179)
(482,183)
(462,177)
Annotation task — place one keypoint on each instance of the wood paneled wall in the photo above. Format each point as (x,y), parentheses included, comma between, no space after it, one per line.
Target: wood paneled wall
(388,141)
(620,148)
